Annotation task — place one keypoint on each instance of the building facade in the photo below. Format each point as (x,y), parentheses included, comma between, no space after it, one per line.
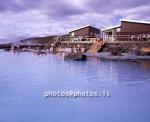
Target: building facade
(128,31)
(85,31)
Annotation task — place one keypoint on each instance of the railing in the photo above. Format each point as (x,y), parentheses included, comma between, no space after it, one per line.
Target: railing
(77,42)
(140,37)
(76,39)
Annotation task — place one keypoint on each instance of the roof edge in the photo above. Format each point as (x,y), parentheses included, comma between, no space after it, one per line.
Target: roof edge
(134,21)
(82,28)
(111,27)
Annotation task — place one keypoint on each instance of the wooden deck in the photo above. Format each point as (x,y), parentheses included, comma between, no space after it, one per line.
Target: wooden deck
(145,49)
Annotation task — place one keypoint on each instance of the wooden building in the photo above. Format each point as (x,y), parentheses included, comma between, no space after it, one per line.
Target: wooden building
(127,31)
(85,31)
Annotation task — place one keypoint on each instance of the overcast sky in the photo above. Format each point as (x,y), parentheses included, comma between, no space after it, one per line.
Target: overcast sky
(47,17)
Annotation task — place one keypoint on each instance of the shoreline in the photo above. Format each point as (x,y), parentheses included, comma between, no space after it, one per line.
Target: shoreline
(105,56)
(125,57)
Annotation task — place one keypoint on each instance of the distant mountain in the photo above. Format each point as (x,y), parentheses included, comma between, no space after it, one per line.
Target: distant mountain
(10,39)
(38,40)
(31,40)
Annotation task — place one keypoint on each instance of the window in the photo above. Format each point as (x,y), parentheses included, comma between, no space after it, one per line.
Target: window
(72,34)
(118,29)
(91,33)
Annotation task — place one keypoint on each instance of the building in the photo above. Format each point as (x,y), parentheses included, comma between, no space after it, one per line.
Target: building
(84,33)
(128,31)
(110,33)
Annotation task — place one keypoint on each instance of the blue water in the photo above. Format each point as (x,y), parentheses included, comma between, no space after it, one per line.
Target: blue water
(24,77)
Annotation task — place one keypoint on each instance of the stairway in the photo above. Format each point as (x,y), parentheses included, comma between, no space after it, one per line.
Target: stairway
(96,47)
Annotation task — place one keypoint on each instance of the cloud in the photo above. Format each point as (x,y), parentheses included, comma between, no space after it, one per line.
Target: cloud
(139,13)
(44,17)
(109,6)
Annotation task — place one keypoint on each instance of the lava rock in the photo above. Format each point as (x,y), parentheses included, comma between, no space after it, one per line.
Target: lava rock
(75,57)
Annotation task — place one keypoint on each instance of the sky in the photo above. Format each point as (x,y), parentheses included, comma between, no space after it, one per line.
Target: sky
(31,18)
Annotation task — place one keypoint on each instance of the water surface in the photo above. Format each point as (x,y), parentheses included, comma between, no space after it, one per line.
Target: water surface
(24,77)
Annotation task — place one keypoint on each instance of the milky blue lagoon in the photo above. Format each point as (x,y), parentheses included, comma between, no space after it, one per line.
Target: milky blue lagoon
(24,77)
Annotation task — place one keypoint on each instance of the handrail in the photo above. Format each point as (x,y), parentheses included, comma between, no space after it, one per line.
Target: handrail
(141,37)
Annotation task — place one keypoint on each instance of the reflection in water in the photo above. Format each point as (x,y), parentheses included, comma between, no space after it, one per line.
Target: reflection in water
(145,64)
(25,76)
(111,72)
